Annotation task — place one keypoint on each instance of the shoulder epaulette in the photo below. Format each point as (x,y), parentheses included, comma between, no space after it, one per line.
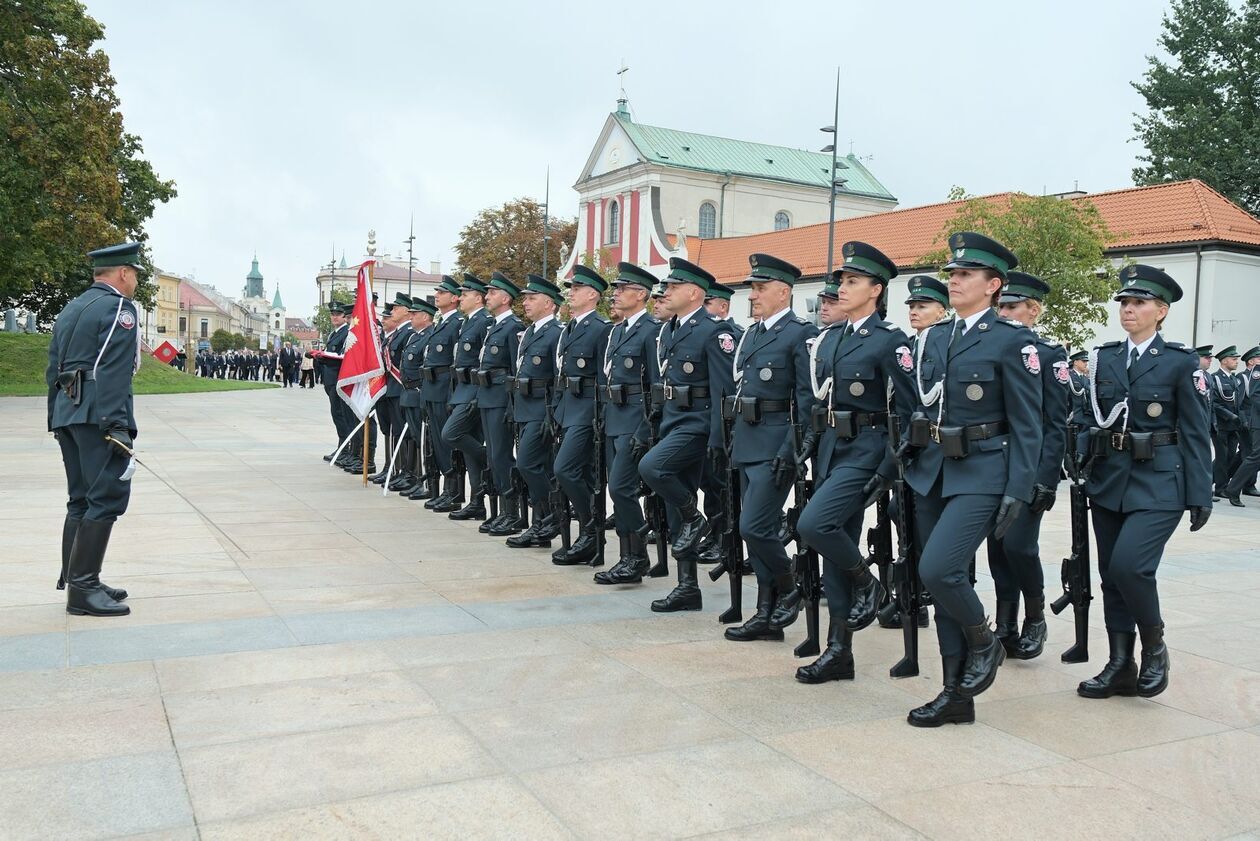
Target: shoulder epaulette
(799,320)
(1048,342)
(890,327)
(1009,322)
(1181,347)
(1111,344)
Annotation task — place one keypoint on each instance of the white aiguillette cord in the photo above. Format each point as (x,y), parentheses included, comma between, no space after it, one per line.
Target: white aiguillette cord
(937,391)
(1122,406)
(823,391)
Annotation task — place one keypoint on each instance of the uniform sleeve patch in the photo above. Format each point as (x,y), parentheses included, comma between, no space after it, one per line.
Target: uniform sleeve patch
(1200,383)
(904,360)
(126,319)
(1061,372)
(1255,373)
(727,342)
(1032,362)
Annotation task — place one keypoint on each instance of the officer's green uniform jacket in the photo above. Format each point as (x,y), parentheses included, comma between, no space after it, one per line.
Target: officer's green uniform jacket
(97,333)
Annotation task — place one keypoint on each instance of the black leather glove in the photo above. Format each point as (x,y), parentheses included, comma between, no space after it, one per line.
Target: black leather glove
(875,488)
(638,449)
(1043,499)
(1006,514)
(123,437)
(809,446)
(906,453)
(784,472)
(1199,516)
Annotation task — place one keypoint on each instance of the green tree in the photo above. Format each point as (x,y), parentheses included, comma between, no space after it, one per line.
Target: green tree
(220,340)
(71,179)
(1204,100)
(322,319)
(1060,241)
(510,239)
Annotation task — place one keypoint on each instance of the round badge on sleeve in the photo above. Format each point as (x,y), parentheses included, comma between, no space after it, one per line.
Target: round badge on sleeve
(1061,372)
(126,319)
(727,342)
(904,360)
(1031,360)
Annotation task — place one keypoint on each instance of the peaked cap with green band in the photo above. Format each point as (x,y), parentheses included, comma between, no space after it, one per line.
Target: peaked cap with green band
(769,267)
(629,273)
(401,300)
(449,284)
(472,283)
(1251,354)
(586,276)
(719,290)
(684,271)
(124,254)
(500,281)
(926,288)
(830,291)
(1149,283)
(1204,351)
(539,285)
(1021,286)
(1226,353)
(861,258)
(970,250)
(421,305)
(1079,356)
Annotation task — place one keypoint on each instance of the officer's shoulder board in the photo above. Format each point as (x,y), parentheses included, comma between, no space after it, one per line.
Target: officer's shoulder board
(889,326)
(1009,322)
(1048,342)
(798,320)
(1116,343)
(1181,347)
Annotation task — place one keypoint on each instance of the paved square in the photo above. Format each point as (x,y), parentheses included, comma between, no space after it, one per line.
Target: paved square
(308,659)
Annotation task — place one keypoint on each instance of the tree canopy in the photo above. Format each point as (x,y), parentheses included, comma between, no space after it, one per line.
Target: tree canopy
(510,239)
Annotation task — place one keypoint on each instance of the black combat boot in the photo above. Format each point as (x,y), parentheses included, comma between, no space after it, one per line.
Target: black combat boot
(474,510)
(453,497)
(513,520)
(534,536)
(1119,676)
(1153,674)
(685,596)
(420,490)
(710,549)
(690,529)
(634,563)
(836,662)
(890,617)
(84,595)
(788,606)
(608,576)
(1032,637)
(68,532)
(495,504)
(1006,625)
(584,548)
(984,655)
(758,627)
(950,707)
(865,600)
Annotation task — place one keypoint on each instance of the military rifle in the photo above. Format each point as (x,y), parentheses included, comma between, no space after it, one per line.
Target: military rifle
(880,553)
(430,465)
(1077,590)
(599,511)
(730,542)
(805,559)
(559,500)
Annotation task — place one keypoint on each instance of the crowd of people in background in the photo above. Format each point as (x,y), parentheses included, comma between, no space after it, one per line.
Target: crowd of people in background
(288,366)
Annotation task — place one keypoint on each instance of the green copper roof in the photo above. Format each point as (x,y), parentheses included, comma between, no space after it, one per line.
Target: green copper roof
(254,274)
(740,157)
(276,303)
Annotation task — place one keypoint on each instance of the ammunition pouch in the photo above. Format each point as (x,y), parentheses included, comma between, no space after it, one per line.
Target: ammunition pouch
(920,431)
(71,383)
(680,395)
(487,377)
(577,385)
(432,374)
(464,375)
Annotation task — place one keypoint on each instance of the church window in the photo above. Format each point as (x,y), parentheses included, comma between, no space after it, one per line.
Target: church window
(708,220)
(782,221)
(613,232)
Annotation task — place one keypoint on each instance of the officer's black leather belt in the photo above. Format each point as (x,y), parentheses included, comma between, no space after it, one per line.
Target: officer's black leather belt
(579,386)
(1122,441)
(977,432)
(432,374)
(677,392)
(765,406)
(412,385)
(465,375)
(528,385)
(617,394)
(486,377)
(846,424)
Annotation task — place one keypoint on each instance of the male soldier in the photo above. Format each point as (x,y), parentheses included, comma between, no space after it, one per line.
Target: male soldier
(973,446)
(629,364)
(772,405)
(1015,560)
(535,379)
(462,430)
(1078,383)
(329,360)
(693,358)
(578,356)
(439,357)
(94,353)
(1225,439)
(411,402)
(497,367)
(718,304)
(395,327)
(852,370)
(1244,478)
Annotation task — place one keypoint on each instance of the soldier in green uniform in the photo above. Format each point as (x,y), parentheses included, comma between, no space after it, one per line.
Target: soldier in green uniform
(1244,479)
(94,353)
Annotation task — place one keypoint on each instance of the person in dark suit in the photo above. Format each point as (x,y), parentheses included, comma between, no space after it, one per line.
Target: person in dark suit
(411,402)
(1149,439)
(329,361)
(579,355)
(439,360)
(497,367)
(1244,479)
(395,327)
(463,426)
(717,303)
(92,356)
(1226,439)
(973,446)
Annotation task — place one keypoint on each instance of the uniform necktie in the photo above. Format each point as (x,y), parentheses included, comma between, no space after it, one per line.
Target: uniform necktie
(1133,357)
(960,327)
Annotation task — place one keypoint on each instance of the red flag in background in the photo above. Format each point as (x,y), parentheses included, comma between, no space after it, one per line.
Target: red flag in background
(362,379)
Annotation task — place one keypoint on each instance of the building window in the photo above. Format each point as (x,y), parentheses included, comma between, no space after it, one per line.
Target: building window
(183,325)
(708,220)
(277,324)
(782,221)
(612,235)
(205,329)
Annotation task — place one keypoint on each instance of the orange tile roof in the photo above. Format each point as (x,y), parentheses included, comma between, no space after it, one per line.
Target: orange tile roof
(1161,214)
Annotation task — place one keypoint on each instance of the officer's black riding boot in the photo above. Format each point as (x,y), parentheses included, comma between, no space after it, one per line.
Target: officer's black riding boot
(68,532)
(1032,638)
(865,599)
(584,548)
(1153,673)
(984,655)
(420,490)
(950,707)
(1006,625)
(609,576)
(84,595)
(690,530)
(1119,676)
(788,606)
(685,596)
(836,662)
(890,617)
(758,627)
(513,519)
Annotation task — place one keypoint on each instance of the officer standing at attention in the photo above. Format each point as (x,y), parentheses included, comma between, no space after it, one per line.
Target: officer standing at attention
(1225,440)
(928,302)
(1015,560)
(973,446)
(852,371)
(1244,479)
(579,354)
(462,430)
(718,304)
(396,325)
(329,361)
(439,360)
(629,370)
(693,358)
(412,400)
(535,379)
(93,354)
(497,367)
(1151,465)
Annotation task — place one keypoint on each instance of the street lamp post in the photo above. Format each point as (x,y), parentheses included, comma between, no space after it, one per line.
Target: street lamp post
(411,259)
(546,225)
(831,179)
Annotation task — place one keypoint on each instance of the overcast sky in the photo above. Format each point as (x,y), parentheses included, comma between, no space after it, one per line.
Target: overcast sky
(293,126)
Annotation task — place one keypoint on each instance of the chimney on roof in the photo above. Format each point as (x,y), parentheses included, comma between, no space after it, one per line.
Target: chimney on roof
(1075,193)
(435,267)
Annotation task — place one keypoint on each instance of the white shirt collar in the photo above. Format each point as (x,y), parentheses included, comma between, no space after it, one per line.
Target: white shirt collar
(578,319)
(507,312)
(542,322)
(690,315)
(971,320)
(474,312)
(1141,349)
(631,320)
(772,320)
(857,324)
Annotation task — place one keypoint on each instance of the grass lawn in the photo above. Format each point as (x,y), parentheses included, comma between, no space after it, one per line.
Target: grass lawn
(23,358)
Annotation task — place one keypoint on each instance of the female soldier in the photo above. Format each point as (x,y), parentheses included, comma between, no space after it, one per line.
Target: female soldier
(928,302)
(1151,461)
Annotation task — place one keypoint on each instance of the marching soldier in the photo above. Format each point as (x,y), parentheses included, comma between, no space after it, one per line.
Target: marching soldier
(1015,560)
(93,354)
(693,359)
(1244,479)
(973,447)
(852,370)
(497,367)
(439,360)
(533,391)
(928,302)
(579,354)
(629,370)
(462,430)
(1225,440)
(1149,468)
(1078,387)
(412,400)
(718,304)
